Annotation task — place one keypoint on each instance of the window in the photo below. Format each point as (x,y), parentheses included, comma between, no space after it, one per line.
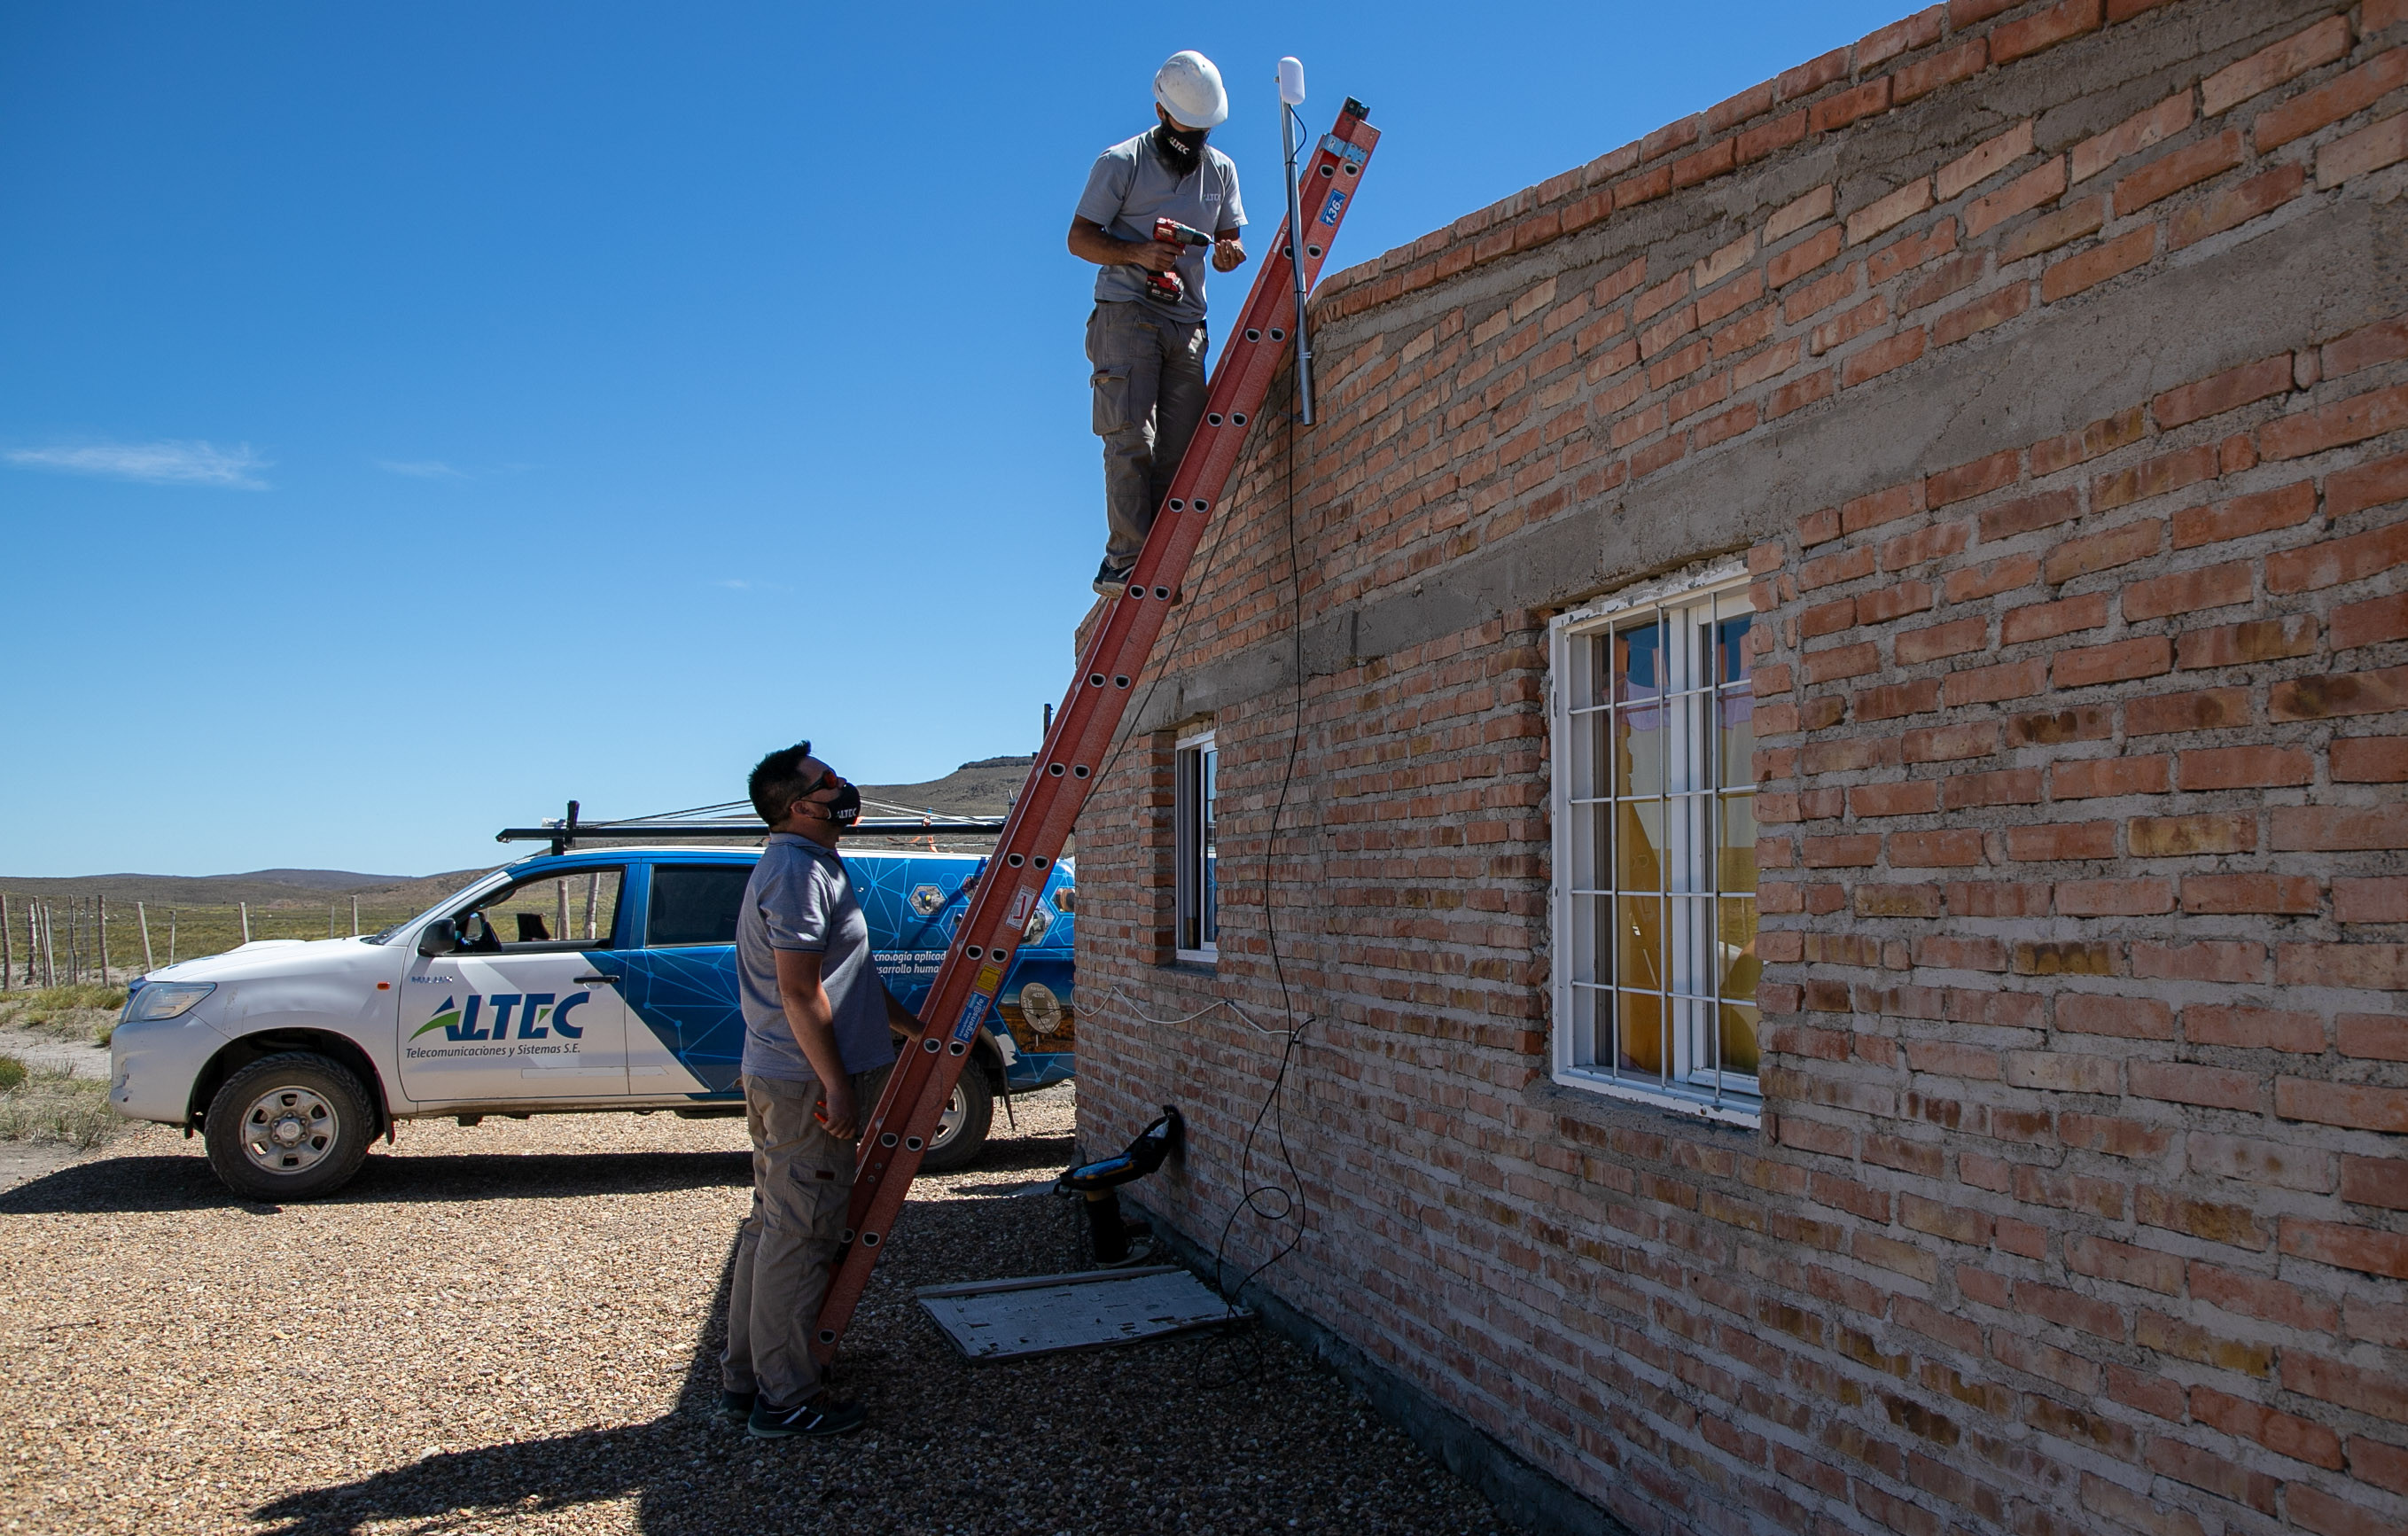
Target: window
(695,903)
(1655,838)
(549,911)
(1199,901)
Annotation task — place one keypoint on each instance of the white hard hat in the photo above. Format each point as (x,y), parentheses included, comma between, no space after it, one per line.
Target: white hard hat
(1189,89)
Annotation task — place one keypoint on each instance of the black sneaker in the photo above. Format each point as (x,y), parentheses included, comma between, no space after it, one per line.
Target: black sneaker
(737,1406)
(1112,580)
(822,1416)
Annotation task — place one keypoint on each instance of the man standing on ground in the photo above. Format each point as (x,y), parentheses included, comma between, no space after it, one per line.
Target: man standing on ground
(1148,352)
(817,1048)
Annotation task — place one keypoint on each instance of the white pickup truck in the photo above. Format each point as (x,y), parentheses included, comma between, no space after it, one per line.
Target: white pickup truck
(594,980)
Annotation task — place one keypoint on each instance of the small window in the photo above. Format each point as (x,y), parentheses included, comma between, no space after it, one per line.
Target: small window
(1198,900)
(559,912)
(695,903)
(1654,880)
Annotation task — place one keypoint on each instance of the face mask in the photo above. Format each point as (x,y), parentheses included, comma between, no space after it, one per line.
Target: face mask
(845,809)
(1181,152)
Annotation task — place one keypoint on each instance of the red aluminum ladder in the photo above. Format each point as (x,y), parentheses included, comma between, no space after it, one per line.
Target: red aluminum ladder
(1077,747)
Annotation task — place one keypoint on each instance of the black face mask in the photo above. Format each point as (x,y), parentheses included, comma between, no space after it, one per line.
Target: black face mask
(1181,152)
(845,809)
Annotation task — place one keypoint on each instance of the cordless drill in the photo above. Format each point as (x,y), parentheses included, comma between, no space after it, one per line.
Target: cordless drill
(1165,287)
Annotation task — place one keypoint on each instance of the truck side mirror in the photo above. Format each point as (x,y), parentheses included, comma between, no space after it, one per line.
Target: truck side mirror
(441,936)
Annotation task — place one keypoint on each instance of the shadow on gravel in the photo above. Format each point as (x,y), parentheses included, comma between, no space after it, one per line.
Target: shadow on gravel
(185,1183)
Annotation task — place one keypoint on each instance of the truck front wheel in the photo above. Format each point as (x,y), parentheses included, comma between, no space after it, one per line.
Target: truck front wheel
(961,1130)
(290,1126)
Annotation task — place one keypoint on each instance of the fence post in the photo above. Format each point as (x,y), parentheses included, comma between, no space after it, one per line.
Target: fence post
(100,905)
(244,907)
(49,945)
(7,948)
(330,920)
(355,917)
(171,935)
(142,919)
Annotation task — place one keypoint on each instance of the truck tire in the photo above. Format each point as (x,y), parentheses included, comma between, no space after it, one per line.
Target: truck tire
(961,1130)
(290,1126)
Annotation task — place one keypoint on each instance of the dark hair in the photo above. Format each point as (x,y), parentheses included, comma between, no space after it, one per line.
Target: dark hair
(779,781)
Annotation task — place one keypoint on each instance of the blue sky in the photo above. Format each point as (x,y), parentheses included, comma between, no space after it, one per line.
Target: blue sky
(414,416)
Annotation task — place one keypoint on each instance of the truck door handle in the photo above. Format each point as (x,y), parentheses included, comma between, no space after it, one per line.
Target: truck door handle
(597,976)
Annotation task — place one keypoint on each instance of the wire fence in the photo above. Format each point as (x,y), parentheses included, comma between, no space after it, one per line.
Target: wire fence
(51,941)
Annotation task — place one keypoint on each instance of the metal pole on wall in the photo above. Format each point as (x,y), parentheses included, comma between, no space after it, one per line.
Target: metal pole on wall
(142,919)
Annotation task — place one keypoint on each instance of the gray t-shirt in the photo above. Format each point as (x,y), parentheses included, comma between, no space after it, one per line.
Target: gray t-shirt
(1130,187)
(801,898)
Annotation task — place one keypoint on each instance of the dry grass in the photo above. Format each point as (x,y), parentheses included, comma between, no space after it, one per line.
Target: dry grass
(53,1106)
(86,1015)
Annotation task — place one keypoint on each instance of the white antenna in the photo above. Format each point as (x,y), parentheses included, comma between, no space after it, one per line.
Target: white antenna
(1291,89)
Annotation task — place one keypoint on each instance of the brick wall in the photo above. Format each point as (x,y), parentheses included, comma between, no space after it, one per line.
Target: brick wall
(2049,363)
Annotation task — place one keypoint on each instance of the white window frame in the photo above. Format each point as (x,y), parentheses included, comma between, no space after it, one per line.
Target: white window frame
(1586,991)
(1195,766)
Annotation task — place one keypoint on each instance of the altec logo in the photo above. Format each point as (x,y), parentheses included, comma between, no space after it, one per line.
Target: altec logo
(539,1016)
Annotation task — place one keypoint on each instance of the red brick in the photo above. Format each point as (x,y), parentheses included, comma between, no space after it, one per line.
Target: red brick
(2153,478)
(2246,767)
(1894,601)
(2046,621)
(2351,491)
(2046,844)
(1951,744)
(2272,64)
(2118,661)
(2313,1509)
(2211,709)
(2181,837)
(2065,279)
(1971,480)
(2251,893)
(2187,591)
(2125,1018)
(2119,546)
(1988,580)
(2185,167)
(2008,786)
(1914,797)
(2348,421)
(1787,267)
(2091,722)
(2382,143)
(2101,436)
(2382,1392)
(1983,160)
(2256,1029)
(2245,644)
(2225,390)
(1868,511)
(2342,1104)
(2115,897)
(2340,694)
(1993,308)
(2284,507)
(2347,1247)
(2134,135)
(1930,75)
(2236,205)
(2324,828)
(2236,961)
(2370,759)
(2380,1182)
(2334,561)
(1934,850)
(2093,778)
(2374,967)
(1769,137)
(1881,357)
(2284,1433)
(1837,111)
(2271,1299)
(2370,900)
(2384,341)
(2331,102)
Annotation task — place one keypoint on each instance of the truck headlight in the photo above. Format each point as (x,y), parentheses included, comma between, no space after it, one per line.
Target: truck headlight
(166,1000)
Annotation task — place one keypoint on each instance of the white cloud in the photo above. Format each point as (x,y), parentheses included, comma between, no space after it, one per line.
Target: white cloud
(167,463)
(421,469)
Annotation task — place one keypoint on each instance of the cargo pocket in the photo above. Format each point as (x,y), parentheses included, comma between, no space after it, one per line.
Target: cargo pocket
(1111,387)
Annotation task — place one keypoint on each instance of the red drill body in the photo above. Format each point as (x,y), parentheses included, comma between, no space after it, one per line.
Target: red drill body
(1168,287)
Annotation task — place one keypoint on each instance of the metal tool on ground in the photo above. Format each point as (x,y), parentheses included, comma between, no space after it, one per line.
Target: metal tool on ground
(1080,744)
(1100,1183)
(1012,1319)
(1169,287)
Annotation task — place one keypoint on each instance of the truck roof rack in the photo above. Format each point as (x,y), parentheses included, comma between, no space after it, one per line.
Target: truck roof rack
(735,822)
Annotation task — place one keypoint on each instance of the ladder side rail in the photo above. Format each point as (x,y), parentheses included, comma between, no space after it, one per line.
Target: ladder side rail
(987,940)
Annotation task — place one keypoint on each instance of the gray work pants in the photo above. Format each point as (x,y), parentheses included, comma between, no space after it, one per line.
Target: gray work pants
(1148,383)
(786,1252)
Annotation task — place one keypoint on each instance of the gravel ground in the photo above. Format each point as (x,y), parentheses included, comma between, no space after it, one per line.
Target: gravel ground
(37,1049)
(515,1327)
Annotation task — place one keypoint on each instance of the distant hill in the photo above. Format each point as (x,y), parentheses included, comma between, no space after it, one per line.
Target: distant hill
(983,788)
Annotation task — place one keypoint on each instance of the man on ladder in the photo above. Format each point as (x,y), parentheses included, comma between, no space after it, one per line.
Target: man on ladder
(1146,338)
